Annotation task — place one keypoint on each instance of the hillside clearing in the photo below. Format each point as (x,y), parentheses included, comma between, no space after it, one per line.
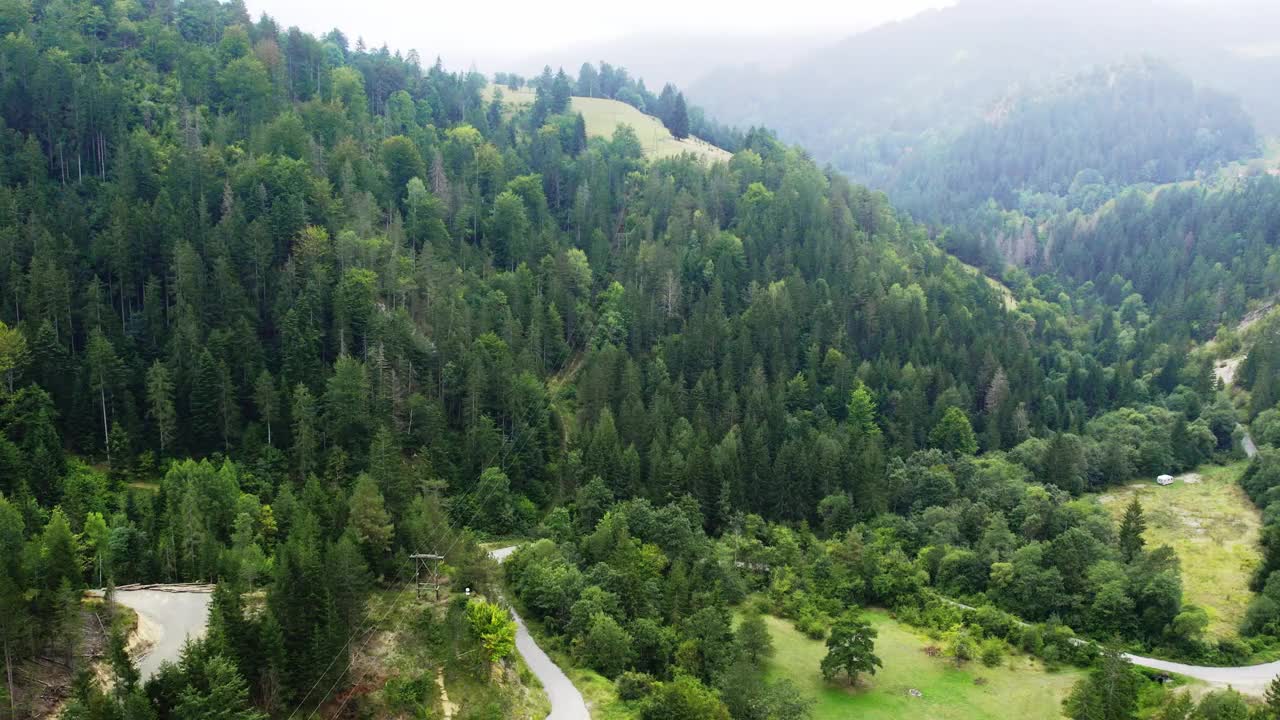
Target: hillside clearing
(1019,688)
(603,116)
(1010,302)
(1214,529)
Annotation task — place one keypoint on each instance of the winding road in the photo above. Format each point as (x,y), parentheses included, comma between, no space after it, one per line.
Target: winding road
(1248,679)
(167,616)
(566,701)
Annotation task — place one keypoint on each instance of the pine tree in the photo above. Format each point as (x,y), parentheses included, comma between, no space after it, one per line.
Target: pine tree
(368,517)
(266,399)
(579,135)
(228,407)
(14,354)
(1110,692)
(679,124)
(1131,529)
(14,604)
(122,666)
(953,433)
(205,402)
(305,443)
(160,406)
(219,692)
(103,368)
(1271,701)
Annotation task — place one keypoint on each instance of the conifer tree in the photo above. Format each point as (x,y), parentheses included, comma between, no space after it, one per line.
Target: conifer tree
(679,124)
(1131,529)
(305,441)
(160,407)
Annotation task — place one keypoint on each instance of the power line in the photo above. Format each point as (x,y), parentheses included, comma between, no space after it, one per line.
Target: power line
(395,604)
(365,626)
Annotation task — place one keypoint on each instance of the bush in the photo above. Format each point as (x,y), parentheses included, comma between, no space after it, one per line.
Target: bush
(991,652)
(1051,656)
(1232,651)
(960,644)
(995,622)
(634,685)
(683,699)
(1032,639)
(813,623)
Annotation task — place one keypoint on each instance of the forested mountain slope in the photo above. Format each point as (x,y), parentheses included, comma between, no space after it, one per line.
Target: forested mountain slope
(1075,145)
(868,101)
(279,312)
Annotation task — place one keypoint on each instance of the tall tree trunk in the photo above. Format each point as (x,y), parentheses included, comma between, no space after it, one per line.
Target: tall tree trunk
(8,670)
(106,438)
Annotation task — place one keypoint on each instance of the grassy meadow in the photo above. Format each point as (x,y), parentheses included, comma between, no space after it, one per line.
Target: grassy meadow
(603,116)
(1019,688)
(1214,529)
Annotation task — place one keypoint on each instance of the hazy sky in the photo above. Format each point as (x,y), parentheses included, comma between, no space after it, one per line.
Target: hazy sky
(490,33)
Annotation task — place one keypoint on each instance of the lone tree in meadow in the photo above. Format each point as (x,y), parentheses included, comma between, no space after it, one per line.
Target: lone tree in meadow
(679,124)
(1131,529)
(850,649)
(753,639)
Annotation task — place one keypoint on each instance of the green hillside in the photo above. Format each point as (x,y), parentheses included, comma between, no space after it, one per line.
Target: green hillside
(603,115)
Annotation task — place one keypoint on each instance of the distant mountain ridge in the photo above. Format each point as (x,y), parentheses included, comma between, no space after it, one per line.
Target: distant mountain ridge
(861,103)
(1075,144)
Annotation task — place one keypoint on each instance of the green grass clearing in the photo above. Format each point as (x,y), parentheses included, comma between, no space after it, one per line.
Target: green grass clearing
(1020,688)
(1214,529)
(603,116)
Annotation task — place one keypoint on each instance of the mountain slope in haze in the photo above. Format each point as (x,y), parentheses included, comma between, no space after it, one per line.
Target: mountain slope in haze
(278,312)
(1075,144)
(864,102)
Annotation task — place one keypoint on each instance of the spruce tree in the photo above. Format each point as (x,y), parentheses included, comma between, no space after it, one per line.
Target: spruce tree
(267,400)
(679,124)
(305,441)
(160,408)
(1271,700)
(1131,529)
(205,402)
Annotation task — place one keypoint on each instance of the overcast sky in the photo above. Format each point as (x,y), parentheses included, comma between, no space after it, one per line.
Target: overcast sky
(492,33)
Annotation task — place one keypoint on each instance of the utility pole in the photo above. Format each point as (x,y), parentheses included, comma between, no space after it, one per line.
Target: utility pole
(431,563)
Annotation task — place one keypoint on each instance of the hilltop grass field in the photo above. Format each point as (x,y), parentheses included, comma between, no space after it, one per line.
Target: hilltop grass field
(1214,529)
(1018,688)
(604,116)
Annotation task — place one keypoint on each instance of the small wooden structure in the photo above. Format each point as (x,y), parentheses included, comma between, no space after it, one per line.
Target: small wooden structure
(1164,480)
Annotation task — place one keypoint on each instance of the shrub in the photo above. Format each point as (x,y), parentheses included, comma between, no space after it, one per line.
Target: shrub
(634,685)
(813,623)
(995,621)
(991,652)
(1232,651)
(960,644)
(1032,639)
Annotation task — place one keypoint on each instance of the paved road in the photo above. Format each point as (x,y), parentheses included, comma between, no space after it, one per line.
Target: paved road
(1248,679)
(166,618)
(566,701)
